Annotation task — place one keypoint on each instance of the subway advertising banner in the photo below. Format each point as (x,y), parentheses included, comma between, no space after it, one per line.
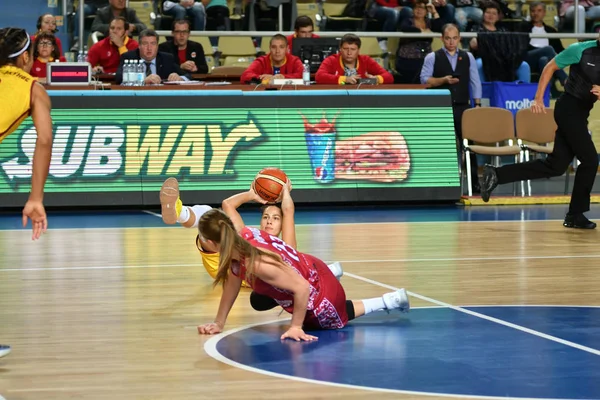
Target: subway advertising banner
(117,150)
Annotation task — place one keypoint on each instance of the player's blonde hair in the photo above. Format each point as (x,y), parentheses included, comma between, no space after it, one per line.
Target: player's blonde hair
(216,226)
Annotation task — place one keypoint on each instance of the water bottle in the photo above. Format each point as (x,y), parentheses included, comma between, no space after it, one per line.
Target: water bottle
(141,73)
(126,68)
(306,73)
(133,73)
(85,55)
(80,56)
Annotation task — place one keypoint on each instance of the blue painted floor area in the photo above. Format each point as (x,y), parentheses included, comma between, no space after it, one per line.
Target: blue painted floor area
(438,350)
(335,215)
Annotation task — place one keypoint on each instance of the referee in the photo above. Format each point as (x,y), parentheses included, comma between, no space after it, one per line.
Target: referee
(572,138)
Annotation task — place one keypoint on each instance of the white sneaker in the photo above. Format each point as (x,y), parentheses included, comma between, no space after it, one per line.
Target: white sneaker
(397,300)
(4,350)
(337,270)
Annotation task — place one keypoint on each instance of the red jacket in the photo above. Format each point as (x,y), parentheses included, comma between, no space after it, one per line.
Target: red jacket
(331,70)
(292,68)
(38,69)
(106,54)
(291,38)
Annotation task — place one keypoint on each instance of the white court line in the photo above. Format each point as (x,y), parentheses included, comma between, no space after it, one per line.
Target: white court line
(297,224)
(340,261)
(482,316)
(152,213)
(210,347)
(98,267)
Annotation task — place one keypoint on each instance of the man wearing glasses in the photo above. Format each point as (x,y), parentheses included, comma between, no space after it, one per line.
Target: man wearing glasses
(189,54)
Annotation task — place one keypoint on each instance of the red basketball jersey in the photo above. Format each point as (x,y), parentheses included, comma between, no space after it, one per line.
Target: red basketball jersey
(326,303)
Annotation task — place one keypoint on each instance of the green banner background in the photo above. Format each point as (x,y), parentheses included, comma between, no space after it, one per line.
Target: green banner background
(202,138)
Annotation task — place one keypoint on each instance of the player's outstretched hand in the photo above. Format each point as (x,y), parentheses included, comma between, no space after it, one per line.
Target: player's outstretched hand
(210,329)
(298,335)
(35,211)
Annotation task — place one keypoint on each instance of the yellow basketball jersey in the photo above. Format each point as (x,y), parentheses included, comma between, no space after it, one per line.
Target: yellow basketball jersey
(16,86)
(211,261)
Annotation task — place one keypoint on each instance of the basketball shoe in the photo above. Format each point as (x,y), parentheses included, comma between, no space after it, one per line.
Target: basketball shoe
(170,203)
(397,300)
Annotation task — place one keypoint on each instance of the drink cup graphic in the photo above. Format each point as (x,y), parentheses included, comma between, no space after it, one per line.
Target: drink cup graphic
(320,141)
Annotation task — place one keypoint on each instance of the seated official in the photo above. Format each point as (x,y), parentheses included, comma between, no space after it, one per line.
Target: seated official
(45,50)
(348,66)
(47,23)
(303,28)
(105,55)
(278,64)
(189,54)
(159,66)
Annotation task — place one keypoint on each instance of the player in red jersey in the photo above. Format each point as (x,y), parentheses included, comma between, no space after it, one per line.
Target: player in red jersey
(302,284)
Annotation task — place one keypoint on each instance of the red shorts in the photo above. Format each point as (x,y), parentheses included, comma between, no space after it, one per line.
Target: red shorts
(329,310)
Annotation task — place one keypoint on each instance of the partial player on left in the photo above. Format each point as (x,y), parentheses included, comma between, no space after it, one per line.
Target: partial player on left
(20,97)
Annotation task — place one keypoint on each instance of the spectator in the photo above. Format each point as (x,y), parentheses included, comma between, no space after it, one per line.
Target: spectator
(188,53)
(217,11)
(390,15)
(47,23)
(349,67)
(542,50)
(193,10)
(116,8)
(105,55)
(444,9)
(411,52)
(465,11)
(159,66)
(588,9)
(303,28)
(45,50)
(491,15)
(278,64)
(90,7)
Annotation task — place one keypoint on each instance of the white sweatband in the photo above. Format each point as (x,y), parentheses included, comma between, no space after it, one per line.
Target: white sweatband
(18,53)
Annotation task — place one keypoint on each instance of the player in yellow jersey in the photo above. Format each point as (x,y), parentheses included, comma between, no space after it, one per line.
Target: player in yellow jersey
(20,97)
(276,220)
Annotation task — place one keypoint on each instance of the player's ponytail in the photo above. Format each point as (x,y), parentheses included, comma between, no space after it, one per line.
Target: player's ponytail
(216,226)
(13,43)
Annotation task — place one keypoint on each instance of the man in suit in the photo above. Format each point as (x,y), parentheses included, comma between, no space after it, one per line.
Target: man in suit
(116,8)
(188,53)
(159,66)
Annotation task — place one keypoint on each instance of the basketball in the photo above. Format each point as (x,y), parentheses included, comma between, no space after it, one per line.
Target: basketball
(269,183)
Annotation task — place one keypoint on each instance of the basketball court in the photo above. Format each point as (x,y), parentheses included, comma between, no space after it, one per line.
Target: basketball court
(505,305)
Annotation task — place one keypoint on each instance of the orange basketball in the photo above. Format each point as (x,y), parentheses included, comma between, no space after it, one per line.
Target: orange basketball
(269,183)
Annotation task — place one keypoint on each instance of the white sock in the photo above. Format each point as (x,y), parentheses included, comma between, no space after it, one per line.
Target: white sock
(184,215)
(199,212)
(375,304)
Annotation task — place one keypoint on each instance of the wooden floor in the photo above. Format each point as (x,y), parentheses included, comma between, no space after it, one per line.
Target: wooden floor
(112,313)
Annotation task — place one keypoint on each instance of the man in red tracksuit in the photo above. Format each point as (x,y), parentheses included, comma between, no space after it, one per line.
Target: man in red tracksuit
(278,64)
(348,66)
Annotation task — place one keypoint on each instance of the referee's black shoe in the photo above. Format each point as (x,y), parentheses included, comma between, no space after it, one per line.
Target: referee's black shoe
(578,221)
